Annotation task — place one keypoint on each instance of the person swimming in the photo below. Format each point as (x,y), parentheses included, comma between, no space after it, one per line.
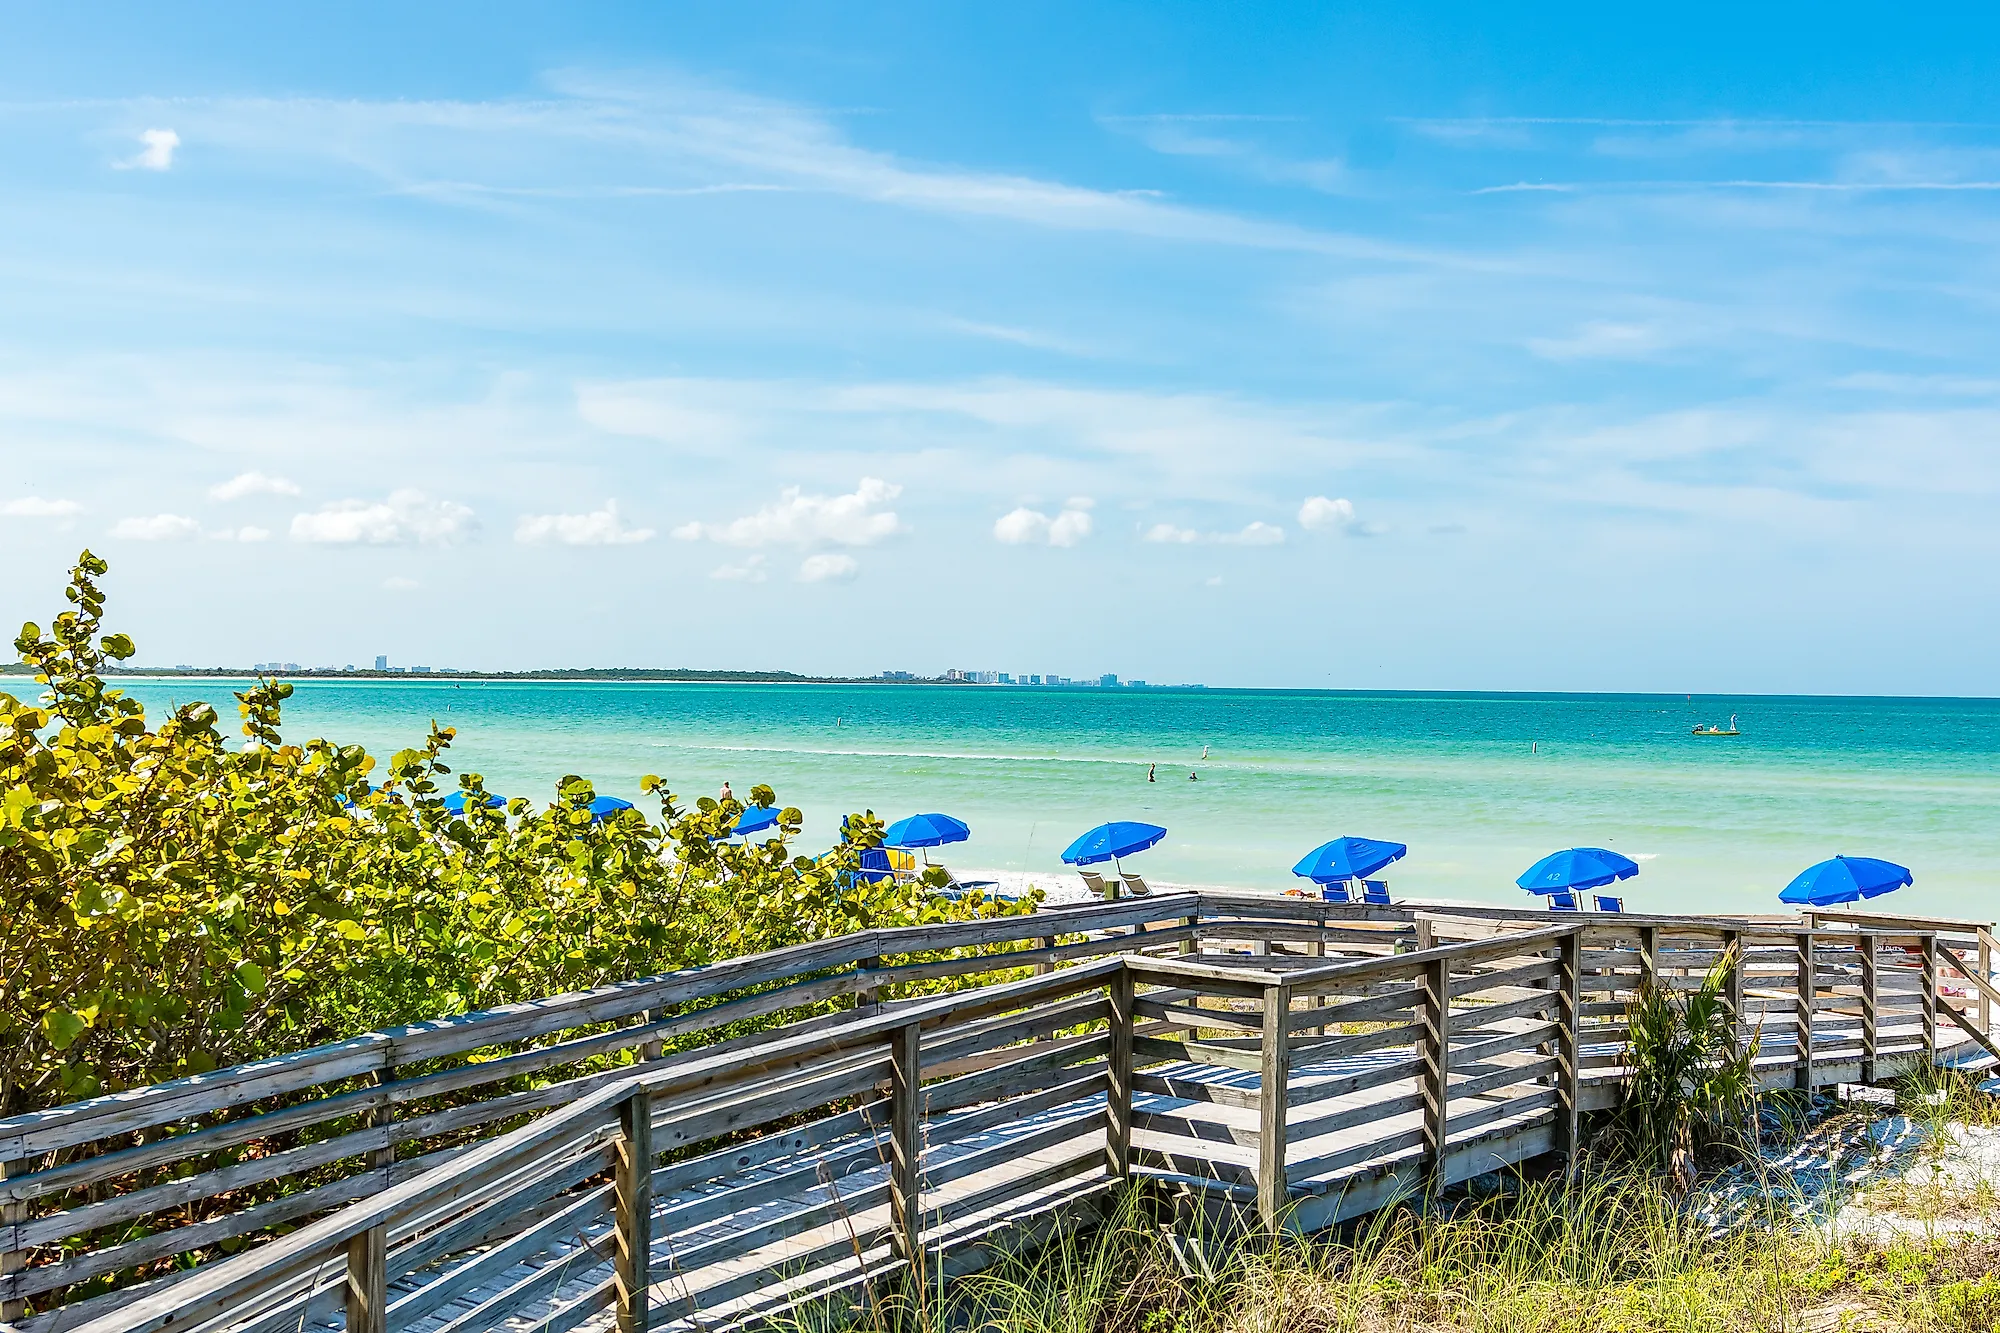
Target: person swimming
(1193,776)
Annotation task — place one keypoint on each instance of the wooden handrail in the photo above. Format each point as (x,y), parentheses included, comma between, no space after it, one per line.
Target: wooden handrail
(1302,930)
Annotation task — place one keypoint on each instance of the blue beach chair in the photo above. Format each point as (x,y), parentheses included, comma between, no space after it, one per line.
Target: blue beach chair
(1562,900)
(1334,891)
(1375,891)
(1606,903)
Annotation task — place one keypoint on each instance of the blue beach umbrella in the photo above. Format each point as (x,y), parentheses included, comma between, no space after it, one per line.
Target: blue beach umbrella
(1845,879)
(1347,858)
(606,806)
(1108,842)
(457,802)
(926,831)
(756,819)
(1577,868)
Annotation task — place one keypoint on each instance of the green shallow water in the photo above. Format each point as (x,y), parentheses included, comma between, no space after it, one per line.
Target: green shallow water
(1478,785)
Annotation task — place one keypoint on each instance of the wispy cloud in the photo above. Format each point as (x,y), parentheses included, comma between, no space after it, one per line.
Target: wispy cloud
(1197,136)
(157,528)
(684,132)
(1024,526)
(599,527)
(157,154)
(1257,533)
(750,571)
(828,567)
(253,483)
(34,506)
(406,516)
(859,518)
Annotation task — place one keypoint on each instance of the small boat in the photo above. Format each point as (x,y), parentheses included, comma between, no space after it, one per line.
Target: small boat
(1720,731)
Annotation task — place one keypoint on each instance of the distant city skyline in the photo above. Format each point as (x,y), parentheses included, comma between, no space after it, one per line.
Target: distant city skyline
(1374,346)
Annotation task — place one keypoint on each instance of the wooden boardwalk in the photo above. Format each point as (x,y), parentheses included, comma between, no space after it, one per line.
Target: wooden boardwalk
(1303,1062)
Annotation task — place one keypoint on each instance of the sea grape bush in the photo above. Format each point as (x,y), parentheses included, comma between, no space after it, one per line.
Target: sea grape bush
(174,903)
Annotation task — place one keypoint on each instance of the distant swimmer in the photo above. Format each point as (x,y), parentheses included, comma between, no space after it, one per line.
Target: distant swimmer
(1532,745)
(1194,777)
(1149,771)
(1204,752)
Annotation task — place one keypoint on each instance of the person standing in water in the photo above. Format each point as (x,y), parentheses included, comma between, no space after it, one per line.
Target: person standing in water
(1204,752)
(727,794)
(1149,771)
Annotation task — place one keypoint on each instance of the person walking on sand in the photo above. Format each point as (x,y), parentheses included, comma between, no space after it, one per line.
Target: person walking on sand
(1149,771)
(727,794)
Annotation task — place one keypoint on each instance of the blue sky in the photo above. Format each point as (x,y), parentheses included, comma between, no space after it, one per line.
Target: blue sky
(1381,347)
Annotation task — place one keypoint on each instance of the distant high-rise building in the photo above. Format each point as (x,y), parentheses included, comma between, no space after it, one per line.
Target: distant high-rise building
(381,661)
(1107,679)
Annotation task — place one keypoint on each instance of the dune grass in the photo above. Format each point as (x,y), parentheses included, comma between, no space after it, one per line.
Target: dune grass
(1609,1254)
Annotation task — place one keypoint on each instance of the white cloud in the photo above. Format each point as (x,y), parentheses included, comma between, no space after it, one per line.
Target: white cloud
(244,534)
(1024,526)
(798,519)
(253,483)
(1256,534)
(157,528)
(750,571)
(600,527)
(828,568)
(1213,581)
(406,516)
(34,506)
(399,583)
(157,155)
(1320,512)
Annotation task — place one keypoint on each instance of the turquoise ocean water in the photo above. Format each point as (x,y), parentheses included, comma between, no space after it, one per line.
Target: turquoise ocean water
(1478,785)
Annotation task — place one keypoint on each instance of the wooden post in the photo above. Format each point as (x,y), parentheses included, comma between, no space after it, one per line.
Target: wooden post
(385,1114)
(1426,935)
(1930,993)
(906,1146)
(1045,942)
(1435,1039)
(1806,992)
(1118,1097)
(1732,944)
(368,1255)
(368,1282)
(632,1186)
(1870,998)
(1318,999)
(872,996)
(13,1261)
(1649,954)
(1569,1077)
(657,1047)
(1985,975)
(1191,946)
(1273,1098)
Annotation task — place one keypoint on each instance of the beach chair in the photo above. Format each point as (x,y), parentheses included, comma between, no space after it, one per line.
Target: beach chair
(1134,885)
(1097,885)
(1334,892)
(1607,903)
(1563,900)
(1375,891)
(875,866)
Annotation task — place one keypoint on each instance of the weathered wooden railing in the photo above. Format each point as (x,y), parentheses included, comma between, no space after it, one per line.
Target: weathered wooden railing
(1412,1046)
